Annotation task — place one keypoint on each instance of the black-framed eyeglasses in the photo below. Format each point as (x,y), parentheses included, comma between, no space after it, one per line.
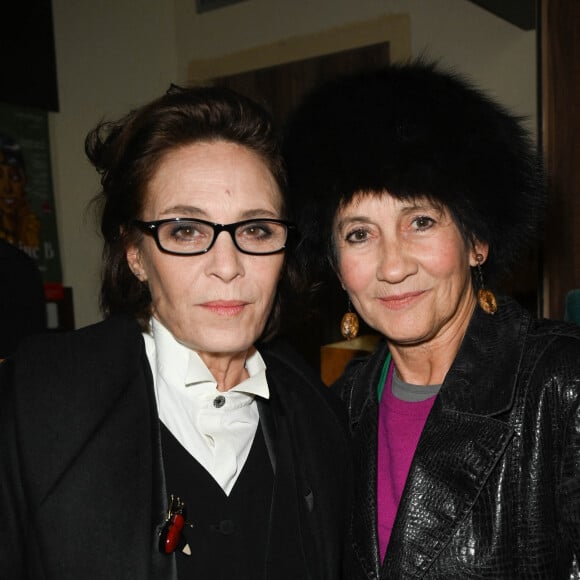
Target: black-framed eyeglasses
(189,237)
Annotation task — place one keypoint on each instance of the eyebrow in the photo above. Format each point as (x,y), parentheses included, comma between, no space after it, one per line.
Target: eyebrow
(351,220)
(197,212)
(405,209)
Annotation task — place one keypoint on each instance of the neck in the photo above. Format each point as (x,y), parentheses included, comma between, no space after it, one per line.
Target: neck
(228,369)
(427,362)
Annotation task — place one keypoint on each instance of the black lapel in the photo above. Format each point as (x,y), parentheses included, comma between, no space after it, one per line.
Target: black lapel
(285,552)
(359,393)
(482,379)
(268,429)
(454,457)
(163,566)
(364,516)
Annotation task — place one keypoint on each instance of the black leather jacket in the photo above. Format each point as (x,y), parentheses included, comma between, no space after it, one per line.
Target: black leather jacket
(494,486)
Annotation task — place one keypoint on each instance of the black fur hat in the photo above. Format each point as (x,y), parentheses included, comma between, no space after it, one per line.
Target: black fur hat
(414,130)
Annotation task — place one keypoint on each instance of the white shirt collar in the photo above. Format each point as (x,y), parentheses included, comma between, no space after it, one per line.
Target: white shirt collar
(179,365)
(217,429)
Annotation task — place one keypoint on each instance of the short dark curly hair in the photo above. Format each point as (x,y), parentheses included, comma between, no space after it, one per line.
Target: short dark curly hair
(127,154)
(414,130)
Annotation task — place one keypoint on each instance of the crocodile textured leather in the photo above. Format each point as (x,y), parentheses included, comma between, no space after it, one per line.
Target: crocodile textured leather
(494,487)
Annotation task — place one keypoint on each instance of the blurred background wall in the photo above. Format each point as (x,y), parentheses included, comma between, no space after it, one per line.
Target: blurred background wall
(112,55)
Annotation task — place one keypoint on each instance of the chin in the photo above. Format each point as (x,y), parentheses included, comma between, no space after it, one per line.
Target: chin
(224,344)
(410,337)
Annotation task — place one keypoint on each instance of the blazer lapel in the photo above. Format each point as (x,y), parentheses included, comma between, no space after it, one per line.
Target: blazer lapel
(454,458)
(363,525)
(312,473)
(162,565)
(285,529)
(268,425)
(359,394)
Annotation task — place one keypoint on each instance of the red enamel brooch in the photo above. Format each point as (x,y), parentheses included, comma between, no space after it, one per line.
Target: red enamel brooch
(171,536)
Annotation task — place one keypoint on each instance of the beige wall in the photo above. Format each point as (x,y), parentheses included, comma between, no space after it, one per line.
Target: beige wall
(114,54)
(111,55)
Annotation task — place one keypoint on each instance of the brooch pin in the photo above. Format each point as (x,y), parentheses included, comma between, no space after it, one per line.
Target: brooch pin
(171,536)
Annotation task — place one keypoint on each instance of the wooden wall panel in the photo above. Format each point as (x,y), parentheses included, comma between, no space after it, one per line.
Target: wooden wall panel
(282,86)
(560,110)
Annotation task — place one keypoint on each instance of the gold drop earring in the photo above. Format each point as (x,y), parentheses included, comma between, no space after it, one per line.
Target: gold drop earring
(349,324)
(485,298)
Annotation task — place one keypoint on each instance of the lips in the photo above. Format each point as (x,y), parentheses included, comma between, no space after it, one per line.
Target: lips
(226,308)
(400,301)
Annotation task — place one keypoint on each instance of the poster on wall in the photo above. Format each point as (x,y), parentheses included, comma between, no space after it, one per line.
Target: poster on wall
(27,212)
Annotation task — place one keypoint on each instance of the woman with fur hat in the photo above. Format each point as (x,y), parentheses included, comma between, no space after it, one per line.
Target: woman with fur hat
(466,419)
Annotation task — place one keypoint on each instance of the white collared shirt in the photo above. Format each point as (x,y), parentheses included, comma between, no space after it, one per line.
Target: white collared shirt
(216,428)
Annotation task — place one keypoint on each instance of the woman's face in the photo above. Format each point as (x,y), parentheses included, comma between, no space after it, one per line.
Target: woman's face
(11,186)
(218,302)
(406,268)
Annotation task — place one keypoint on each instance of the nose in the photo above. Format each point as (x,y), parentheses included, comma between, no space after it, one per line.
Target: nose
(224,261)
(395,262)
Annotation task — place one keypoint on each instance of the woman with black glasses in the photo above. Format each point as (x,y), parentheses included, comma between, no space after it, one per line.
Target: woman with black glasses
(162,443)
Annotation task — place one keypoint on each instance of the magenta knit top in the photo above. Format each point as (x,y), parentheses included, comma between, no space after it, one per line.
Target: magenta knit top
(400,426)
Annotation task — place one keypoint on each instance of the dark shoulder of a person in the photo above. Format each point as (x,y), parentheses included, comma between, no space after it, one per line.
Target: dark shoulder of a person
(11,256)
(285,358)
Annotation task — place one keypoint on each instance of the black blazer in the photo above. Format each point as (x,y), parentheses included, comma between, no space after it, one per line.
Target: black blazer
(82,484)
(494,487)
